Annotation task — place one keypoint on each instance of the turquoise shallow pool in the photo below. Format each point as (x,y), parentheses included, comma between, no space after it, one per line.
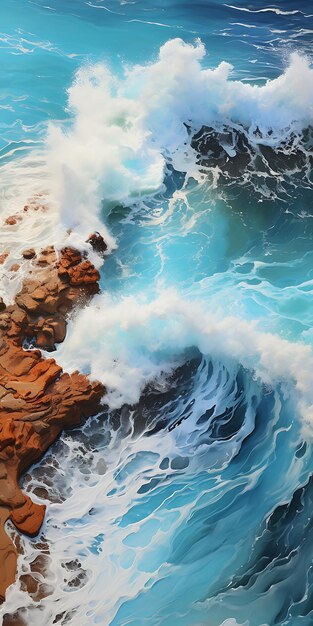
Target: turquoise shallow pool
(188,502)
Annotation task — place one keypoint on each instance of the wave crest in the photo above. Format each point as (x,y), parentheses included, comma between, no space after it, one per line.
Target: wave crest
(124,130)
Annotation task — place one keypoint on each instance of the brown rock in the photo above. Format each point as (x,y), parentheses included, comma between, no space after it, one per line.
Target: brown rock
(3,257)
(38,400)
(29,253)
(15,267)
(59,328)
(13,219)
(39,294)
(98,244)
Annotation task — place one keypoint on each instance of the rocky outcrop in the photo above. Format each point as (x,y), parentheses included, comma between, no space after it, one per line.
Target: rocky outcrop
(38,400)
(236,153)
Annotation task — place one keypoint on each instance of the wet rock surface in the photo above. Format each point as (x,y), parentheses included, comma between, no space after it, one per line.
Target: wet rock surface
(97,243)
(38,400)
(235,153)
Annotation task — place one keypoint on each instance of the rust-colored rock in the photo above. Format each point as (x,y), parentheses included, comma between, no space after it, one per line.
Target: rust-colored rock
(13,219)
(38,400)
(3,257)
(29,253)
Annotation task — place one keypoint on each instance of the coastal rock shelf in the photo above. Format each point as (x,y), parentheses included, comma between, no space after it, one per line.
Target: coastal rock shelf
(38,400)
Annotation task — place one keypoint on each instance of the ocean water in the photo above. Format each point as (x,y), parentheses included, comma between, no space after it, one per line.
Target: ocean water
(188,500)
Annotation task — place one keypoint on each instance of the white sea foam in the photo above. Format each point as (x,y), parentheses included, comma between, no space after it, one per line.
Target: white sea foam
(115,149)
(124,130)
(121,531)
(121,526)
(122,133)
(128,343)
(265,10)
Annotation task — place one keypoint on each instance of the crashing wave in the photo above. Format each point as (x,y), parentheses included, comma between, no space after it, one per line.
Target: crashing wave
(124,131)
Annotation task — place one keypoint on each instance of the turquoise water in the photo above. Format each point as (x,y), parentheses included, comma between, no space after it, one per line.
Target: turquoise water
(188,500)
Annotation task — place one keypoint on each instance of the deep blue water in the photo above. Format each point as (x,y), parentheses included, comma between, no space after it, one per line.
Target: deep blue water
(208,522)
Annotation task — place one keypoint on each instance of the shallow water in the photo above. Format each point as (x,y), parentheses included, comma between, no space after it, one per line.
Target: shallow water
(188,500)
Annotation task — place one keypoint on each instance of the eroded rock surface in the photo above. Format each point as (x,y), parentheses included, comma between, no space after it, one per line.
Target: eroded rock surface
(38,400)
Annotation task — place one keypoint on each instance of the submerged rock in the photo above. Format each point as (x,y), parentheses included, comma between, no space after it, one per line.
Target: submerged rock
(38,400)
